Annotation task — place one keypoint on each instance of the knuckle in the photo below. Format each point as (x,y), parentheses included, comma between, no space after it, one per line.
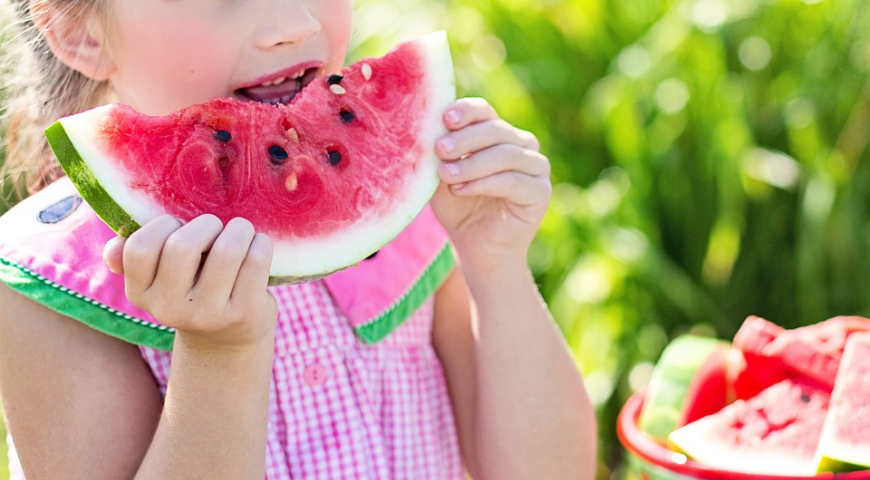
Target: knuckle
(547,188)
(503,125)
(514,181)
(259,257)
(222,249)
(510,149)
(531,140)
(134,295)
(178,243)
(165,219)
(135,249)
(548,169)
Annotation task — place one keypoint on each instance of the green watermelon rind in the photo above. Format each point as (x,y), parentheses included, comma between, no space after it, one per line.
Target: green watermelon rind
(670,382)
(828,464)
(86,183)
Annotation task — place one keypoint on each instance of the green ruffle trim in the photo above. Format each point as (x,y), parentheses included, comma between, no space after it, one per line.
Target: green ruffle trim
(87,310)
(425,286)
(141,332)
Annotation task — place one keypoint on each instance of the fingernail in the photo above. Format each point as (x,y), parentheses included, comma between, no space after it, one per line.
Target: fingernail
(454,116)
(448,144)
(452,169)
(107,249)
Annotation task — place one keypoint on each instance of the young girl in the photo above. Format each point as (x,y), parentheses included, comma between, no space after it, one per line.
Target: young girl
(267,382)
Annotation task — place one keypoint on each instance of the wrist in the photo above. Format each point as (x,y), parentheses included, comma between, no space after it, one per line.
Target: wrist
(498,277)
(211,348)
(492,265)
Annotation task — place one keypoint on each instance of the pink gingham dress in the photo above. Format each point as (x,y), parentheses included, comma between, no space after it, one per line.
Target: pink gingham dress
(340,406)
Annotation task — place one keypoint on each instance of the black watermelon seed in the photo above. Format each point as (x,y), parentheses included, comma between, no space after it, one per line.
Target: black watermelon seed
(278,154)
(370,257)
(334,157)
(223,136)
(347,116)
(805,398)
(334,79)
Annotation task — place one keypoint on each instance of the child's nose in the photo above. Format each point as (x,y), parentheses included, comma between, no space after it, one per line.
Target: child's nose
(287,22)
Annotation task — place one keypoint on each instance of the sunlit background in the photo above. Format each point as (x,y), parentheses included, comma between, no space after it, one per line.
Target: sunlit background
(709,161)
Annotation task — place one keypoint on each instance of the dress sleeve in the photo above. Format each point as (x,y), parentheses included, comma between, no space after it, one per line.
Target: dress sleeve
(51,247)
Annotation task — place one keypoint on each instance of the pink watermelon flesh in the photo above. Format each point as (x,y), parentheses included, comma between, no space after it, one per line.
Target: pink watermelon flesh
(755,334)
(749,374)
(775,432)
(707,392)
(750,371)
(331,177)
(815,350)
(771,353)
(845,443)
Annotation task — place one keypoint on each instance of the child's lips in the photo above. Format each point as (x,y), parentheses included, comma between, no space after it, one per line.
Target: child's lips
(282,93)
(279,88)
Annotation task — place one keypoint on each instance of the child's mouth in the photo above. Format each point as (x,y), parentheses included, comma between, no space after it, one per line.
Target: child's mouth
(278,91)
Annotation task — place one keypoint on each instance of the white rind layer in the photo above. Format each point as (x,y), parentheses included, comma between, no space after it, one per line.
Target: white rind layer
(312,256)
(844,407)
(709,452)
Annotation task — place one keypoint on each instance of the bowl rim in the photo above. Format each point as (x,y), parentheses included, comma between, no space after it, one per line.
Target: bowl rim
(643,446)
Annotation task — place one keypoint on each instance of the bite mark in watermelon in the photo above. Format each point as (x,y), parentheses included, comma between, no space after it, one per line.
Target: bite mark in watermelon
(773,433)
(331,177)
(845,442)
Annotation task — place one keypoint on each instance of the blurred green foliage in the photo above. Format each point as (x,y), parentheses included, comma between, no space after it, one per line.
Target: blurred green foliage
(709,161)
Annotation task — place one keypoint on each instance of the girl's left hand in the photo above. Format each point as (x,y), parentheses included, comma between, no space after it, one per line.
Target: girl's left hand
(495,186)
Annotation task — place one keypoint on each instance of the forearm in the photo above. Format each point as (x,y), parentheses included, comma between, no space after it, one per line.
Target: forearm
(533,417)
(213,424)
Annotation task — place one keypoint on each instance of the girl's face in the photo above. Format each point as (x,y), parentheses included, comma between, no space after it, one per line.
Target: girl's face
(169,54)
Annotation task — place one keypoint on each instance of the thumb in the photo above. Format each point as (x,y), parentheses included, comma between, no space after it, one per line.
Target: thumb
(113,254)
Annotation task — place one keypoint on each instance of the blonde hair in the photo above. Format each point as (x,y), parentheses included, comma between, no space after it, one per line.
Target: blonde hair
(38,89)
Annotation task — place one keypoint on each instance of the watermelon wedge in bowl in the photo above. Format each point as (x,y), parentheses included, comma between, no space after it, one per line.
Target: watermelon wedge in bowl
(650,460)
(331,177)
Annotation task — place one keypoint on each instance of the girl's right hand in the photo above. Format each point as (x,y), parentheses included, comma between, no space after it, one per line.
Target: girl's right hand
(206,280)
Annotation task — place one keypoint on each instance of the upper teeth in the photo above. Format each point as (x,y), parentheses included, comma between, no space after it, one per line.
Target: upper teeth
(277,81)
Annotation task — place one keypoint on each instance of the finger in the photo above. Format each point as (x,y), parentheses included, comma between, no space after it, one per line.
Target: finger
(479,136)
(113,254)
(493,160)
(222,264)
(253,275)
(514,187)
(142,252)
(182,253)
(468,111)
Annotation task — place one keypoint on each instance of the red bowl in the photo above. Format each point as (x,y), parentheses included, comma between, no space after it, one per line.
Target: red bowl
(649,460)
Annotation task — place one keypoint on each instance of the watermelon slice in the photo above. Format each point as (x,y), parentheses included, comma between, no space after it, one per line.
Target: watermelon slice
(331,177)
(771,353)
(750,370)
(688,383)
(845,443)
(815,350)
(773,433)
